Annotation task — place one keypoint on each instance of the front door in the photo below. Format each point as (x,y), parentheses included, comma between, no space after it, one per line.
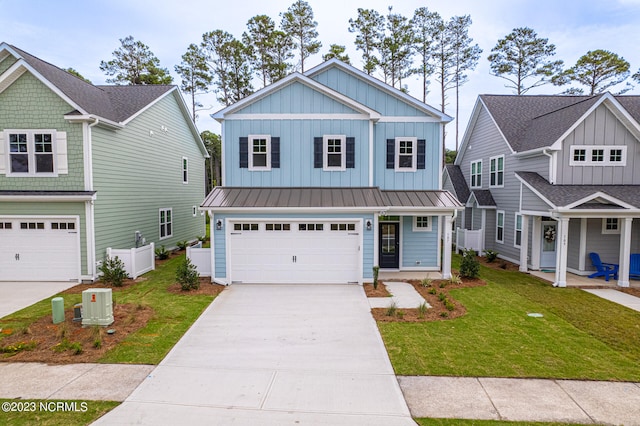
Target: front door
(549,237)
(389,245)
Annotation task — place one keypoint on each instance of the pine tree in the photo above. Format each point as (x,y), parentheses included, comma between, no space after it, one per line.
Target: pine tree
(134,63)
(195,75)
(369,29)
(598,70)
(298,22)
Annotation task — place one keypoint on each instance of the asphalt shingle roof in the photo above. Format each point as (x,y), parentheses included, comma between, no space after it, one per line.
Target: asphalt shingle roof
(564,195)
(531,122)
(115,103)
(484,198)
(459,183)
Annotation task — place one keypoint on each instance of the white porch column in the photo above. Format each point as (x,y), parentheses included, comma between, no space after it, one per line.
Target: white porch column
(561,252)
(625,251)
(376,240)
(446,256)
(524,243)
(536,237)
(211,244)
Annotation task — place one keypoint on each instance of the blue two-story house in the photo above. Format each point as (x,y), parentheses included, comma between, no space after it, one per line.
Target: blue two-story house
(327,175)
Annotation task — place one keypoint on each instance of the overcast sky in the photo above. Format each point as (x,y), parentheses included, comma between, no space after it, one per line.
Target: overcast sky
(79,34)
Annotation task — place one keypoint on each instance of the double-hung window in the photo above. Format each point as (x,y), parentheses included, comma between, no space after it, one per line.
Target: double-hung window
(31,152)
(334,152)
(259,152)
(166,223)
(517,239)
(406,150)
(500,226)
(476,174)
(496,171)
(185,170)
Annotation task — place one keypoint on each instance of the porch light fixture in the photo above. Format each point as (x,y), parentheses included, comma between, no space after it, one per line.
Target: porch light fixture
(368,225)
(219,224)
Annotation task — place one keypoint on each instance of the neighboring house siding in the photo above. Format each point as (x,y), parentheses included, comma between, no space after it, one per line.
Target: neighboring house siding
(220,243)
(606,245)
(137,173)
(600,128)
(573,244)
(427,178)
(297,98)
(30,105)
(296,153)
(531,202)
(53,209)
(365,93)
(414,244)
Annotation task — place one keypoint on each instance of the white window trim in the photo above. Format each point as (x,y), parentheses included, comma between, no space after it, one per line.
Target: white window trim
(610,231)
(471,185)
(325,152)
(31,151)
(414,154)
(516,230)
(170,210)
(498,213)
(185,170)
(251,139)
(496,158)
(607,155)
(422,229)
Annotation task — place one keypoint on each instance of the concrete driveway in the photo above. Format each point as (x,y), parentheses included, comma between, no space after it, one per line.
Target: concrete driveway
(274,355)
(18,295)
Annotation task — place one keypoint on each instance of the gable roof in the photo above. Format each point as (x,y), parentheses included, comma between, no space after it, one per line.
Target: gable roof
(582,196)
(483,197)
(458,182)
(113,103)
(290,79)
(399,94)
(534,122)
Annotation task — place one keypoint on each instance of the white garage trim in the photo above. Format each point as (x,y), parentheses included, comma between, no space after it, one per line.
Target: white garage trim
(40,269)
(356,277)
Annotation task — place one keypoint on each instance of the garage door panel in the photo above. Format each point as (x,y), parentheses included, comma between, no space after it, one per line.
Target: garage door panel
(295,256)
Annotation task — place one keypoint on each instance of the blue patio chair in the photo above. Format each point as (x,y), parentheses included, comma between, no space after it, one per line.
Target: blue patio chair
(605,270)
(634,267)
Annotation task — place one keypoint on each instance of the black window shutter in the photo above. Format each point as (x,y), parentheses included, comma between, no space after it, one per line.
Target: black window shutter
(420,161)
(317,153)
(244,152)
(275,153)
(351,153)
(391,153)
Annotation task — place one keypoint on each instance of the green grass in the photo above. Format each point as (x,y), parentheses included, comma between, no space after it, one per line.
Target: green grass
(580,336)
(50,415)
(460,422)
(174,314)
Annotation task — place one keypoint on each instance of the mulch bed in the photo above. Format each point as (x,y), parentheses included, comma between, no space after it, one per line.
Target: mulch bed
(438,311)
(381,291)
(46,336)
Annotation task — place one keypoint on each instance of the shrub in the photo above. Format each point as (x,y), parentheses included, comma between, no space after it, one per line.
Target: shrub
(376,270)
(187,275)
(444,314)
(449,305)
(469,266)
(113,272)
(426,282)
(422,309)
(392,309)
(455,279)
(432,290)
(182,245)
(442,297)
(490,255)
(162,253)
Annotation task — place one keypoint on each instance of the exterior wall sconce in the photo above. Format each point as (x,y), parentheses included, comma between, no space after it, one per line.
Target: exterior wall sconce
(368,225)
(219,224)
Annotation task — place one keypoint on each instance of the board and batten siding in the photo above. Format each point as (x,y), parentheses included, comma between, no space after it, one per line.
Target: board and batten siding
(53,209)
(296,152)
(415,244)
(427,178)
(30,105)
(601,127)
(363,92)
(138,170)
(219,236)
(297,98)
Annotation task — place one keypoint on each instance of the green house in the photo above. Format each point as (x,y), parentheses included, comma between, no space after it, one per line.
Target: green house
(84,168)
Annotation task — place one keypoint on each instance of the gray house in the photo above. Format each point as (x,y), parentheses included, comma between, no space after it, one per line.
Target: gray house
(546,180)
(84,168)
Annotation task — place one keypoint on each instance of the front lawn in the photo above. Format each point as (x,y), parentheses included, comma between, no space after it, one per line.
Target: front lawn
(580,336)
(172,315)
(40,412)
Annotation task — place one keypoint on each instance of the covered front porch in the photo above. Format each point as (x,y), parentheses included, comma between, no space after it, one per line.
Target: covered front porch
(582,281)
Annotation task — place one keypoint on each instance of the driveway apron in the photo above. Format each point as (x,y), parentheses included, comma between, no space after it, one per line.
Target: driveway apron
(274,355)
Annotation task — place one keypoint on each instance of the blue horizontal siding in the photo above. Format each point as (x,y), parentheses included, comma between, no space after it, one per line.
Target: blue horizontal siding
(419,246)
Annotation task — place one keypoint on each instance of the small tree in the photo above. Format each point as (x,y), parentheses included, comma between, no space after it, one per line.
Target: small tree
(376,271)
(187,275)
(113,272)
(469,266)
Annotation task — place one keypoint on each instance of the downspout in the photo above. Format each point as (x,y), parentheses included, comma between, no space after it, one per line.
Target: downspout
(552,171)
(90,206)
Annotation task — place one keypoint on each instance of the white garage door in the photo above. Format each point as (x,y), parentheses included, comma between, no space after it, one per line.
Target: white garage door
(37,249)
(294,252)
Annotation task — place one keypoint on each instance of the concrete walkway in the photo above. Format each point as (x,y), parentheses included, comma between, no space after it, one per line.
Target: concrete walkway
(402,294)
(624,299)
(15,296)
(530,400)
(274,355)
